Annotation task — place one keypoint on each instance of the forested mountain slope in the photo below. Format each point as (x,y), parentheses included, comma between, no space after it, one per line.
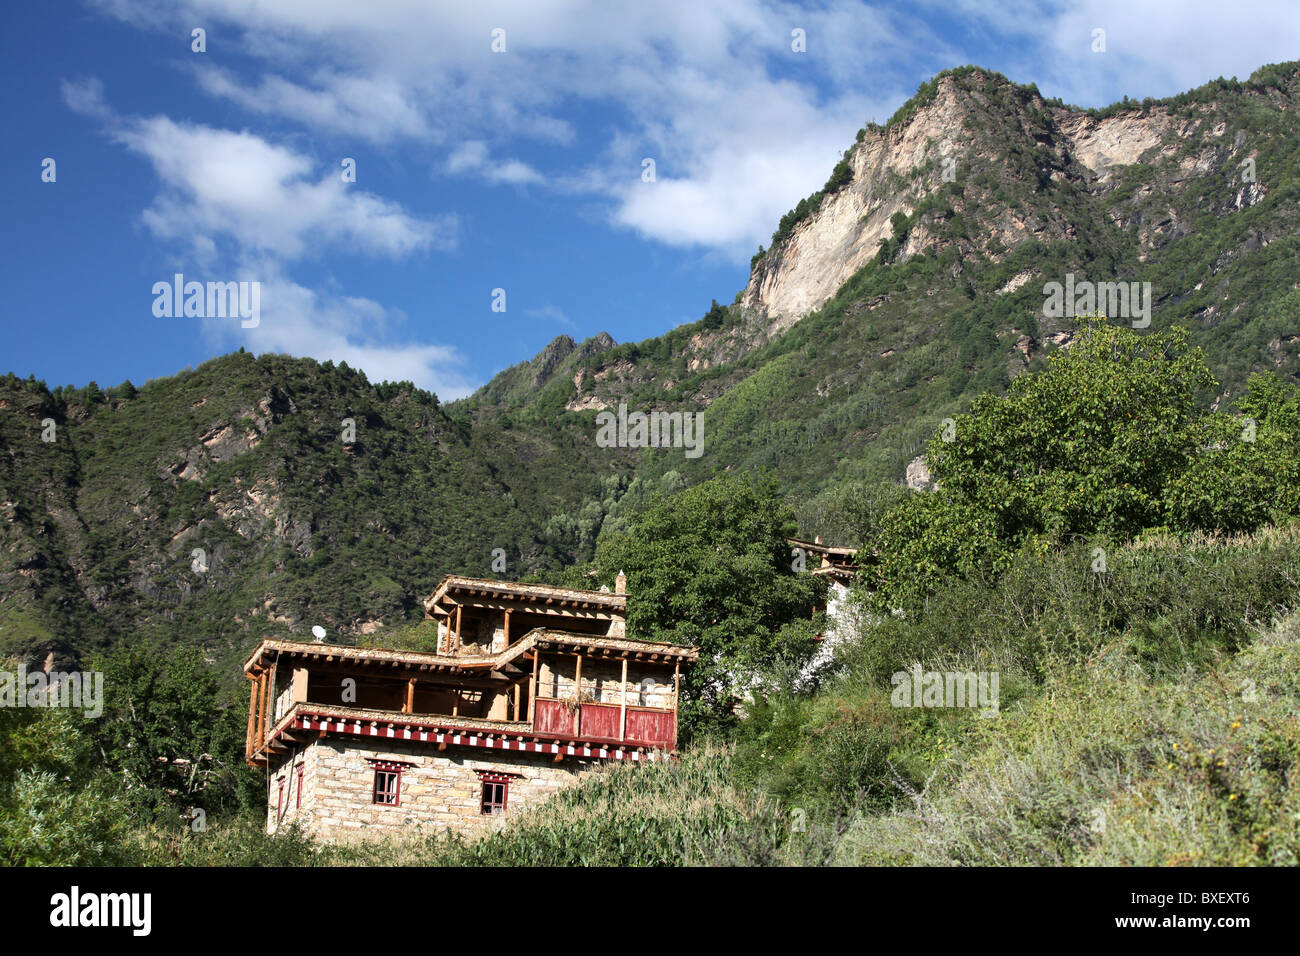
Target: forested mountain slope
(888,300)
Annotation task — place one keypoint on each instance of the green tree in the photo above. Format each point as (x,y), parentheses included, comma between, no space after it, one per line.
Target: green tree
(1248,469)
(709,566)
(1111,440)
(58,807)
(170,734)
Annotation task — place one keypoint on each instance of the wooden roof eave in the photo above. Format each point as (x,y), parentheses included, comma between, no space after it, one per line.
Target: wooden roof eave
(426,662)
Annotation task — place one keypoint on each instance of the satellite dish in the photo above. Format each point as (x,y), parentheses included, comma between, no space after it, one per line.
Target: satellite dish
(318,632)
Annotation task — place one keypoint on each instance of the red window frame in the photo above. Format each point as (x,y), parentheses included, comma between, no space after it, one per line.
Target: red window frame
(385,772)
(279,802)
(298,805)
(494,798)
(493,788)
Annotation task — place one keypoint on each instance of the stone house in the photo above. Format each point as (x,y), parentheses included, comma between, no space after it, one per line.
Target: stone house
(529,687)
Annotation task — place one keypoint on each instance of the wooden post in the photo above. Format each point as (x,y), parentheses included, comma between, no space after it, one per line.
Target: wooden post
(261,711)
(252,717)
(456,646)
(516,690)
(409,706)
(507,627)
(270,696)
(677,693)
(455,704)
(532,690)
(622,710)
(577,691)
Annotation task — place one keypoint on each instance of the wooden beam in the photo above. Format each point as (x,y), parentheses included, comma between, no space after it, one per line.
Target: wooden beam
(252,717)
(577,691)
(677,693)
(622,710)
(261,712)
(507,627)
(517,695)
(532,690)
(456,646)
(409,706)
(270,695)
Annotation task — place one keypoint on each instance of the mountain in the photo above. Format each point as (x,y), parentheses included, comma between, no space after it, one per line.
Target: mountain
(224,503)
(913,281)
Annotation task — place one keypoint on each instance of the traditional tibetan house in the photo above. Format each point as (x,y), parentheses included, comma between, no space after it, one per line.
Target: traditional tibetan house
(838,566)
(529,687)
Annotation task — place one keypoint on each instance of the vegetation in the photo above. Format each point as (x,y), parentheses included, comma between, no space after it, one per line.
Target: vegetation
(1110,441)
(1114,533)
(709,567)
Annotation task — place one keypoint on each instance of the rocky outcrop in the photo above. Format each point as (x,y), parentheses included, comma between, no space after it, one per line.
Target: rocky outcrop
(918,474)
(896,167)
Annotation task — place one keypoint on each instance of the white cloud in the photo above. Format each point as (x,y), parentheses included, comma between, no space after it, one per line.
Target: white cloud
(1154,48)
(236,198)
(552,314)
(1161,47)
(472,157)
(327,325)
(265,198)
(742,125)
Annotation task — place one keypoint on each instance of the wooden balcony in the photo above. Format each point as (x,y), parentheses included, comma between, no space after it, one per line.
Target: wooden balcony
(653,727)
(527,693)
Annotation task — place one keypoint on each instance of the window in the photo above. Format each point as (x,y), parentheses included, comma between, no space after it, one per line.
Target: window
(494,797)
(298,805)
(279,801)
(387,788)
(388,785)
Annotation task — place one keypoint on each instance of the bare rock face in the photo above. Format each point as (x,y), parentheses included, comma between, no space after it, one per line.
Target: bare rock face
(846,231)
(827,248)
(918,475)
(1116,141)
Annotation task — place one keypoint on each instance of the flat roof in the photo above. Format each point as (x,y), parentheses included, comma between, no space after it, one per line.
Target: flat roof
(543,638)
(822,548)
(533,593)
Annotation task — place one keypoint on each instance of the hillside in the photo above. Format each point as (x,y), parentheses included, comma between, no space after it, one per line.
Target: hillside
(895,294)
(885,303)
(245,459)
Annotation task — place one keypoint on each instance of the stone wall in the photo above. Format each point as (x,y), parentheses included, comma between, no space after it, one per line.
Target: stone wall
(438,790)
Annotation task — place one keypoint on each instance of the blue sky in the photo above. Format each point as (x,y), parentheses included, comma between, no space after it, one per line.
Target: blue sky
(477,170)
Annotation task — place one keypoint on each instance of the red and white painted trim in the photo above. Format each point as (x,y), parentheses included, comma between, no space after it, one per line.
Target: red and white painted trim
(393,731)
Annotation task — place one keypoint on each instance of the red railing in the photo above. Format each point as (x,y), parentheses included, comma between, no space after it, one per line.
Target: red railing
(646,726)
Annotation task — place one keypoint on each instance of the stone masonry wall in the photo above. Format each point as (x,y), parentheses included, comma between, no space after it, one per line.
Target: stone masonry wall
(438,790)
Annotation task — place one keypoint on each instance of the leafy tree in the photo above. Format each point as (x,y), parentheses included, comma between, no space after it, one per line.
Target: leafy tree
(57,806)
(1109,441)
(709,566)
(167,731)
(1248,470)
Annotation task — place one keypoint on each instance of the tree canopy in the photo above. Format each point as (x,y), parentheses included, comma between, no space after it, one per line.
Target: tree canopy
(1116,437)
(709,566)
